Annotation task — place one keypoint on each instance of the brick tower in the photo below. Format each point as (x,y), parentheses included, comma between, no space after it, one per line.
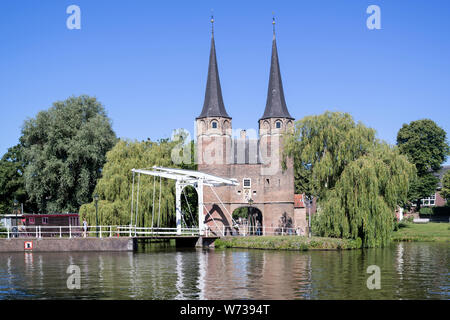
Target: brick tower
(254,162)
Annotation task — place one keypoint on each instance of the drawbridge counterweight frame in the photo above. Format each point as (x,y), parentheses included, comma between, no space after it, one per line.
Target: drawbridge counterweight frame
(182,179)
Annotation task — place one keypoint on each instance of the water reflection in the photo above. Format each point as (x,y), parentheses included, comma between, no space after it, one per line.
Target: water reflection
(408,271)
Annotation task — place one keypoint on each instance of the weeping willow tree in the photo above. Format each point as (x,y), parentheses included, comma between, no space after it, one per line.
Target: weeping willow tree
(365,197)
(358,181)
(156,197)
(322,146)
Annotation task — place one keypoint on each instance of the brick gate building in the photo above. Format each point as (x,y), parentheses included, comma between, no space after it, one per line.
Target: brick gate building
(254,161)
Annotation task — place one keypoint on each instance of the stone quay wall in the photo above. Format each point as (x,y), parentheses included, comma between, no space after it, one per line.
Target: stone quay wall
(66,244)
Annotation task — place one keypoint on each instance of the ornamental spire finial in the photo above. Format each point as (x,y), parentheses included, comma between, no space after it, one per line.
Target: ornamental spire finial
(273,23)
(212,22)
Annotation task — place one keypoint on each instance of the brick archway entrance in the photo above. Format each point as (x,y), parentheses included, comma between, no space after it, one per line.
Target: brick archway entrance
(250,219)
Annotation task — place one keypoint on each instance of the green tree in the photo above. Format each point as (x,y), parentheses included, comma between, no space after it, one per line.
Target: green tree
(115,186)
(65,149)
(425,145)
(445,191)
(364,199)
(422,186)
(12,185)
(358,180)
(322,146)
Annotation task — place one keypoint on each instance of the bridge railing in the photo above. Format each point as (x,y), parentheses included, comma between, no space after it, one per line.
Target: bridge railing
(149,231)
(66,231)
(246,230)
(133,231)
(100,231)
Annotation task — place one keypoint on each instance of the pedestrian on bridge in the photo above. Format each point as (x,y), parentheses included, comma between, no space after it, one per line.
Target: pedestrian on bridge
(85,225)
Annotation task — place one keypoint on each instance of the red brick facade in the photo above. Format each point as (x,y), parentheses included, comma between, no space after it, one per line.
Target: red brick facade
(270,187)
(253,159)
(439,200)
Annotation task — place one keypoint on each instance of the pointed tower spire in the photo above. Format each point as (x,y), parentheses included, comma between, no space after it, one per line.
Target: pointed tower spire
(276,104)
(273,24)
(213,105)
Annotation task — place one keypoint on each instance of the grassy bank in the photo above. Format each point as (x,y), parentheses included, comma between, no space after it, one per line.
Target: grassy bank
(407,232)
(286,243)
(422,232)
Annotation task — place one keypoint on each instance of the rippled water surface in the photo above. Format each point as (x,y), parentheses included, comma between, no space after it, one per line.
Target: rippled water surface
(408,271)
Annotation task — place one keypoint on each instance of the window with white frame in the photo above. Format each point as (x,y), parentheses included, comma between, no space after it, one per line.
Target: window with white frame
(430,201)
(247,183)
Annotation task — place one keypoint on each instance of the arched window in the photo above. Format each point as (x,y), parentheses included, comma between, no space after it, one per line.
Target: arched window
(214,124)
(278,124)
(202,126)
(226,126)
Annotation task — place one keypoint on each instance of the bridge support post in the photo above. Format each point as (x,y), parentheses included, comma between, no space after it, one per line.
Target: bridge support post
(178,189)
(205,242)
(201,215)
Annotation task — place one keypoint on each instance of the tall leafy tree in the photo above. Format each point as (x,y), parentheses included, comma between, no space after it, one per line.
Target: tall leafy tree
(425,144)
(65,149)
(12,185)
(156,204)
(357,179)
(445,191)
(364,199)
(322,146)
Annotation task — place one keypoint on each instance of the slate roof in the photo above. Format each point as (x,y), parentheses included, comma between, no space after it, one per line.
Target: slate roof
(213,105)
(276,104)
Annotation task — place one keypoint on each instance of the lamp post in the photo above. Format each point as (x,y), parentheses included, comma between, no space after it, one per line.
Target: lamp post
(16,203)
(96,213)
(16,230)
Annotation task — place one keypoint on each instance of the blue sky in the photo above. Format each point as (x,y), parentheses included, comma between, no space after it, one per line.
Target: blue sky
(146,61)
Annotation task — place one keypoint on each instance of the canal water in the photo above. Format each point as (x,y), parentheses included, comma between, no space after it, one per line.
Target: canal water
(407,271)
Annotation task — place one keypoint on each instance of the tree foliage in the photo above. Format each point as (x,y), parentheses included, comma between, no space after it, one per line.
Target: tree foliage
(422,186)
(189,206)
(65,148)
(12,185)
(425,145)
(445,191)
(322,146)
(364,199)
(115,186)
(358,180)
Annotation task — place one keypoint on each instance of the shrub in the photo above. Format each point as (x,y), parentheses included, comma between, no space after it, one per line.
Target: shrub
(426,211)
(402,224)
(408,219)
(358,242)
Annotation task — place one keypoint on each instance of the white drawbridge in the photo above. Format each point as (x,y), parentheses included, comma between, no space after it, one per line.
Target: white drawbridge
(182,179)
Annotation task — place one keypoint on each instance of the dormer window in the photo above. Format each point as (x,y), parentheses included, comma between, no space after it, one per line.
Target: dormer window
(278,124)
(214,124)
